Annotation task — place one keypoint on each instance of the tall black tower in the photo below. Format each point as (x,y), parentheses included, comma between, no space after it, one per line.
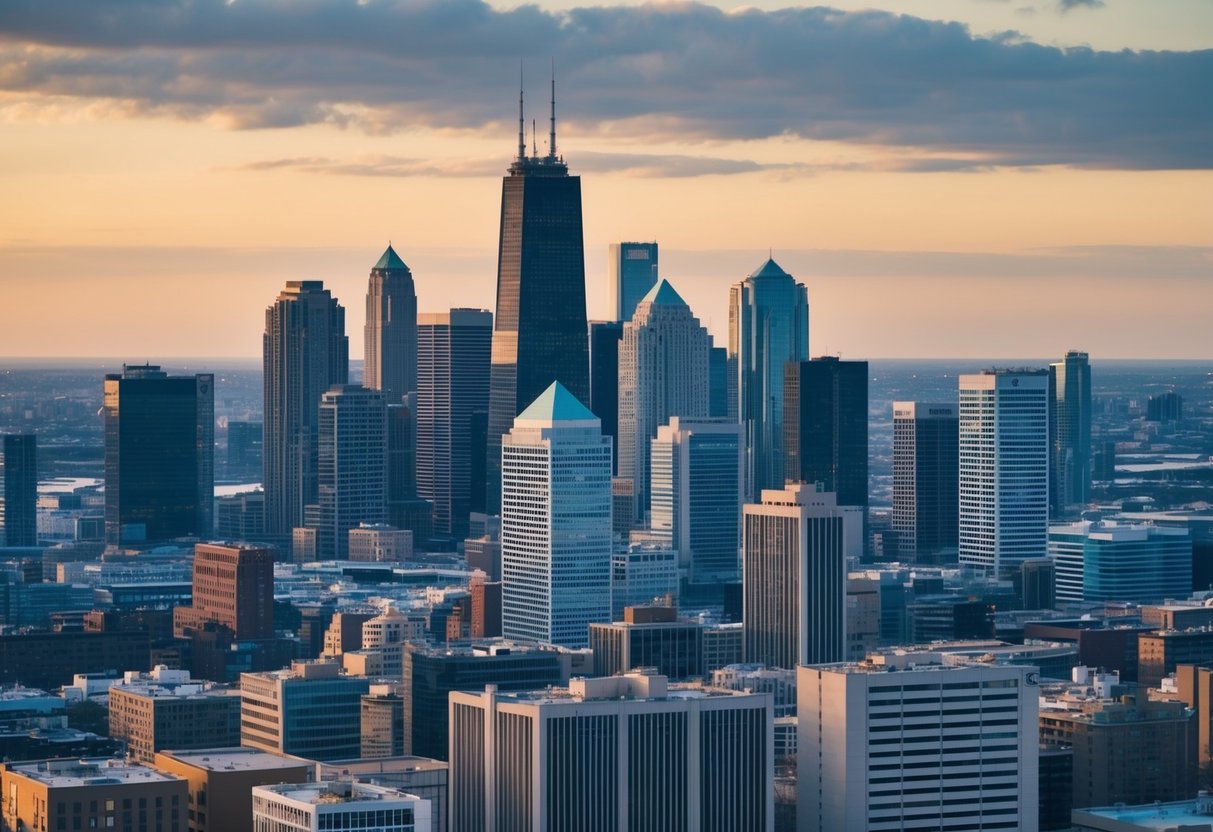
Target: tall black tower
(539,331)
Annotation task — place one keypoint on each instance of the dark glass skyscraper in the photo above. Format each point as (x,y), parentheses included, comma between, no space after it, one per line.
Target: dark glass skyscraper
(925,481)
(826,426)
(159,455)
(631,272)
(18,490)
(391,329)
(1070,433)
(604,377)
(539,330)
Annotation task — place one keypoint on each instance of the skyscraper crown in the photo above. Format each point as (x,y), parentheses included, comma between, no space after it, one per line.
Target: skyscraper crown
(663,294)
(556,404)
(390,260)
(770,269)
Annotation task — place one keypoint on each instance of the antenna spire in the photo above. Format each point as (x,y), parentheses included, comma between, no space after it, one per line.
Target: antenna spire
(521,120)
(534,141)
(552,139)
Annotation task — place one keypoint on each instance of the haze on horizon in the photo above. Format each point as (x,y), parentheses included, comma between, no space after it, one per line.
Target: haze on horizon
(1021,178)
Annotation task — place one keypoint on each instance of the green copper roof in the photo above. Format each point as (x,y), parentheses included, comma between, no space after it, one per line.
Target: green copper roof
(770,269)
(663,294)
(390,260)
(557,404)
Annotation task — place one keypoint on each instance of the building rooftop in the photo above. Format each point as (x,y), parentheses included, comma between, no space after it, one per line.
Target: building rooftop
(1197,814)
(336,792)
(64,774)
(390,260)
(556,404)
(235,759)
(769,269)
(639,684)
(663,294)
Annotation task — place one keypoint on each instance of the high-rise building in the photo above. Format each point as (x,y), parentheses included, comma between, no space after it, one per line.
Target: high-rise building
(452,385)
(310,710)
(925,485)
(623,752)
(159,455)
(555,522)
(1165,407)
(352,466)
(718,383)
(539,330)
(794,577)
(305,352)
(916,746)
(391,329)
(697,486)
(768,327)
(1070,431)
(244,446)
(825,423)
(1098,561)
(604,377)
(631,272)
(234,587)
(18,490)
(1003,468)
(663,372)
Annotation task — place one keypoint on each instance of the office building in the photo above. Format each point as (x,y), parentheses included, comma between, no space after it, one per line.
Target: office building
(1165,407)
(539,328)
(18,490)
(718,383)
(163,709)
(310,710)
(1191,813)
(383,722)
(902,745)
(244,447)
(453,386)
(624,752)
(604,378)
(352,467)
(390,335)
(432,673)
(825,422)
(1160,653)
(768,327)
(240,516)
(338,804)
(631,273)
(233,587)
(648,637)
(159,455)
(221,779)
(376,542)
(305,352)
(794,577)
(925,481)
(419,776)
(486,606)
(1102,560)
(697,485)
(402,461)
(1003,468)
(555,522)
(663,372)
(642,575)
(1070,434)
(90,794)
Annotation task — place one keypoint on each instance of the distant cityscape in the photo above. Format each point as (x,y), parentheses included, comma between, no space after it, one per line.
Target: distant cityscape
(521,570)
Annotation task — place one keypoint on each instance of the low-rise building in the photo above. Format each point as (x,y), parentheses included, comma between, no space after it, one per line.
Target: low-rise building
(338,805)
(648,637)
(166,709)
(311,710)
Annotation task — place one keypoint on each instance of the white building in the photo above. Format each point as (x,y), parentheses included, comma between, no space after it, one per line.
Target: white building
(338,805)
(917,747)
(663,372)
(696,489)
(381,543)
(1004,468)
(622,752)
(555,522)
(1107,561)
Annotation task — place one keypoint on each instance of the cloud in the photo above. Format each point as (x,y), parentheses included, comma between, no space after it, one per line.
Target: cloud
(1068,5)
(680,72)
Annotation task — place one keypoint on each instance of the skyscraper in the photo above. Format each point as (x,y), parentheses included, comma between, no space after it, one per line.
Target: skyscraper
(555,522)
(604,377)
(159,455)
(825,424)
(391,329)
(1070,428)
(925,481)
(631,273)
(18,490)
(768,327)
(305,352)
(794,584)
(452,384)
(1003,468)
(663,372)
(352,466)
(233,586)
(697,485)
(540,330)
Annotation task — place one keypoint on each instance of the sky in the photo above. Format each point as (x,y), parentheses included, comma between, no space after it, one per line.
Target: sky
(950,178)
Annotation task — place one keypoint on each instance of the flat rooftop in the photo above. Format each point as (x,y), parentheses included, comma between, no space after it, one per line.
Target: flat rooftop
(236,759)
(336,793)
(1159,816)
(63,774)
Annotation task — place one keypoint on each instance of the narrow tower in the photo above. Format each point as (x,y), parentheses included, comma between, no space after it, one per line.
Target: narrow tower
(391,329)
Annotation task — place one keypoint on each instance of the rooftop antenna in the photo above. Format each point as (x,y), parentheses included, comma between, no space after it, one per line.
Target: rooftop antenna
(552,140)
(521,121)
(534,140)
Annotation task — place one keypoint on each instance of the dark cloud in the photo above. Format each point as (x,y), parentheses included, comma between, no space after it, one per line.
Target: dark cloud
(1067,5)
(671,71)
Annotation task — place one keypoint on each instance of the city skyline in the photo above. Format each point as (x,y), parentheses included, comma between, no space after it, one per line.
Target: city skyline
(902,199)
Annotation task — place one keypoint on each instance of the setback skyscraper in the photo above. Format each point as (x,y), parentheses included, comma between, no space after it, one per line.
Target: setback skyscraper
(1070,429)
(452,385)
(391,329)
(18,490)
(925,481)
(540,330)
(768,327)
(159,455)
(305,352)
(631,273)
(663,372)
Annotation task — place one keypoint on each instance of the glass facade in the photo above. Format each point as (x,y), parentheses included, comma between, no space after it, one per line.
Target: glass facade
(18,490)
(826,426)
(631,272)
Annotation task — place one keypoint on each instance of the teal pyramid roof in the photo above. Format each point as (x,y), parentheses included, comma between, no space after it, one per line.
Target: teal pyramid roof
(390,260)
(663,294)
(557,404)
(770,269)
